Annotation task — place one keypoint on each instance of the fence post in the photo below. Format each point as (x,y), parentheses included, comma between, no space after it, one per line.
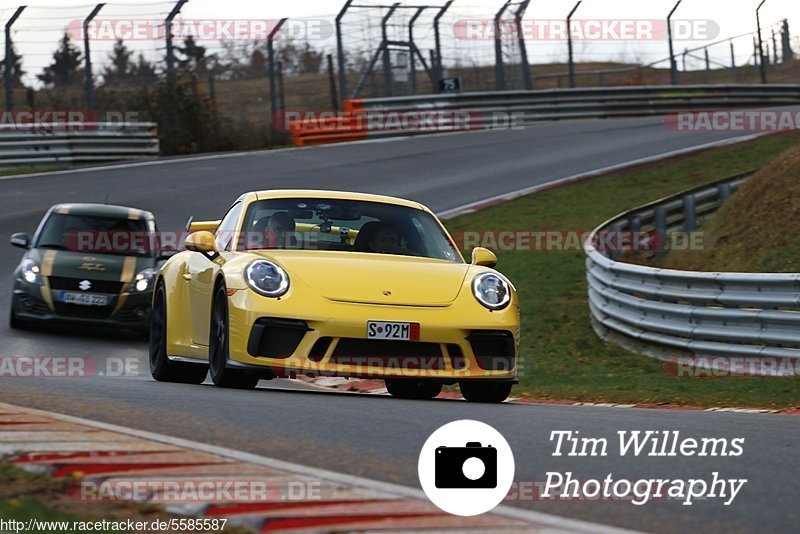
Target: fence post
(439,69)
(388,79)
(673,65)
(569,45)
(412,48)
(10,59)
(733,62)
(708,67)
(173,112)
(273,101)
(281,87)
(87,54)
(332,81)
(761,61)
(523,49)
(500,72)
(340,50)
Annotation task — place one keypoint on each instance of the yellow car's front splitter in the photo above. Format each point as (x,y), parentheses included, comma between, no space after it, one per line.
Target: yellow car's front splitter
(308,334)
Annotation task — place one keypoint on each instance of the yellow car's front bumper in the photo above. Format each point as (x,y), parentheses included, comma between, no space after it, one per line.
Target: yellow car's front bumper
(310,335)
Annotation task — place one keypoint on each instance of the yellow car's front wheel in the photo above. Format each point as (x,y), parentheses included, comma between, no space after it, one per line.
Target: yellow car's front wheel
(222,375)
(161,368)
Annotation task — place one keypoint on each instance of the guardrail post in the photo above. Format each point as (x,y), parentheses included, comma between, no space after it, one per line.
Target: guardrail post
(10,59)
(661,230)
(690,214)
(499,67)
(273,96)
(673,66)
(725,192)
(569,45)
(340,52)
(438,66)
(761,61)
(87,54)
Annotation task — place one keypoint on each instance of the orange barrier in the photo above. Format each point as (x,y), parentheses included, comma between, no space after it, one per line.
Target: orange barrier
(348,126)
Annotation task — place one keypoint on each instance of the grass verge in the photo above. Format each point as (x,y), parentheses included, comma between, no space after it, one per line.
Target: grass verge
(562,357)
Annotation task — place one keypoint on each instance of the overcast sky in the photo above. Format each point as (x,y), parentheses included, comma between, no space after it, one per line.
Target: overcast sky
(38,29)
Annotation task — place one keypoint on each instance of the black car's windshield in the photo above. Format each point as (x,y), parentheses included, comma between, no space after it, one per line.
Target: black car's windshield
(97,235)
(344,225)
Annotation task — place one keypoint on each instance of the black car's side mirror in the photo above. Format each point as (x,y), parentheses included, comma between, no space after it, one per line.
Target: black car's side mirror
(21,240)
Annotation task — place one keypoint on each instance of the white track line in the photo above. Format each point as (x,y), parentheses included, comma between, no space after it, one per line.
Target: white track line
(573,525)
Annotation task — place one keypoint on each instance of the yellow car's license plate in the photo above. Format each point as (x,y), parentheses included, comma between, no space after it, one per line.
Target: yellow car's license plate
(393,331)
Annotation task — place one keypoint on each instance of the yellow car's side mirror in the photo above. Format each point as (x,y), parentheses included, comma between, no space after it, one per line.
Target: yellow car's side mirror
(201,242)
(483,257)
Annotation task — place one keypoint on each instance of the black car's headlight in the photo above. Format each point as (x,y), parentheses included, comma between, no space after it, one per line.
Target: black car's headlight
(492,291)
(31,272)
(267,278)
(143,281)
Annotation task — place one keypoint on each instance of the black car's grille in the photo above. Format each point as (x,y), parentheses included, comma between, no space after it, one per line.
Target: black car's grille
(388,354)
(83,312)
(73,284)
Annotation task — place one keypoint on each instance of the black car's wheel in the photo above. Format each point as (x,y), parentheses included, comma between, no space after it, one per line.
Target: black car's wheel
(487,392)
(221,375)
(15,322)
(413,389)
(161,368)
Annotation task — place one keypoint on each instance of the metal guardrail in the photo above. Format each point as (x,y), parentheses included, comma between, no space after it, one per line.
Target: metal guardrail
(667,313)
(76,143)
(508,109)
(608,102)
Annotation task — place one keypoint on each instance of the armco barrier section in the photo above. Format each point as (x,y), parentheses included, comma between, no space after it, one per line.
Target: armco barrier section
(522,107)
(667,313)
(76,143)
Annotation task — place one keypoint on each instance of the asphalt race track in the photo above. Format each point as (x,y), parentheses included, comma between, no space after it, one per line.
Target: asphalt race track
(380,437)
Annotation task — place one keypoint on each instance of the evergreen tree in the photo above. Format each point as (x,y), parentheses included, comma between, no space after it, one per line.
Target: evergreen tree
(66,67)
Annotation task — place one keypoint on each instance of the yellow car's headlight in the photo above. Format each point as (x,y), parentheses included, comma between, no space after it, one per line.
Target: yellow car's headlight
(492,291)
(267,278)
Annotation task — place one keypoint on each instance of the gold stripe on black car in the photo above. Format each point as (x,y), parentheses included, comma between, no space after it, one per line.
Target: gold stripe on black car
(126,277)
(48,260)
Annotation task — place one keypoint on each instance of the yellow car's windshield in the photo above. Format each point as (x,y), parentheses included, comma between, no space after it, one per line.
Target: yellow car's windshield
(346,226)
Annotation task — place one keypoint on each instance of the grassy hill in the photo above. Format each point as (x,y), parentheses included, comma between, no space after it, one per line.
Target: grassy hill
(758,230)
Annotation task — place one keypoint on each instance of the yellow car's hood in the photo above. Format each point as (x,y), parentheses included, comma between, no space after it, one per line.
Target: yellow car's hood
(374,278)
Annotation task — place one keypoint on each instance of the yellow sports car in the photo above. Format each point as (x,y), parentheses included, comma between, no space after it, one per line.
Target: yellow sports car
(322,283)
